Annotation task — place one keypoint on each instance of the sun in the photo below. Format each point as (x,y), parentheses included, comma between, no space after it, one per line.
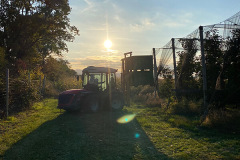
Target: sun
(108,44)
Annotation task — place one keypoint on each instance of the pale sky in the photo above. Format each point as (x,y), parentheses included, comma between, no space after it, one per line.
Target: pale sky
(136,26)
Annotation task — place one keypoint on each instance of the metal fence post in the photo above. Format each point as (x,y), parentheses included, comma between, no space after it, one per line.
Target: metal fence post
(155,72)
(174,63)
(203,71)
(7,91)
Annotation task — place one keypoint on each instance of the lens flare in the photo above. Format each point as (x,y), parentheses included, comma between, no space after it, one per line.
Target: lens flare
(137,135)
(126,118)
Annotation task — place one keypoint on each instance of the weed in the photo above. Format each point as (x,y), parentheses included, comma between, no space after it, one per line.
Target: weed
(145,95)
(11,118)
(223,119)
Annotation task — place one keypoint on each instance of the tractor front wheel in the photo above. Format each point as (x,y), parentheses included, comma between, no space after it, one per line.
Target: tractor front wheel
(92,104)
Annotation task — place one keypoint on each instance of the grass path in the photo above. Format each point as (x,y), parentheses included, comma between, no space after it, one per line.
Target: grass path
(82,136)
(45,133)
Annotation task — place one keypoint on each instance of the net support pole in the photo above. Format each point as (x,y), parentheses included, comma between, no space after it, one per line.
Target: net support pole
(203,72)
(174,63)
(155,72)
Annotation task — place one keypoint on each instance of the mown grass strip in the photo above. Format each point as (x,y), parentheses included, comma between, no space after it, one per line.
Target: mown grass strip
(180,137)
(18,126)
(81,136)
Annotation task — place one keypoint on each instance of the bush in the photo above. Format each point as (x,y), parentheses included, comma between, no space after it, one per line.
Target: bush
(145,95)
(153,101)
(186,107)
(22,95)
(165,88)
(52,89)
(223,119)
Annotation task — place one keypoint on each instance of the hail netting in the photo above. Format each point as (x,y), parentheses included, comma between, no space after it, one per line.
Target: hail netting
(221,49)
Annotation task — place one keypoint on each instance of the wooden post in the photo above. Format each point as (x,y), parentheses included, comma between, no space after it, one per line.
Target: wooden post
(7,91)
(203,71)
(174,63)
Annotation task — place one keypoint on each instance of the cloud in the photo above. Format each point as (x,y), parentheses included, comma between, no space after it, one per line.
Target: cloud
(173,24)
(90,5)
(118,18)
(110,51)
(112,61)
(96,29)
(143,25)
(95,6)
(182,19)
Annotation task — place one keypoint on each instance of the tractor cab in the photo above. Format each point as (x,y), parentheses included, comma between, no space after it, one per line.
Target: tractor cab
(99,78)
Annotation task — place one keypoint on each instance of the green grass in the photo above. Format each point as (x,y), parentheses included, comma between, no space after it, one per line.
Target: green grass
(50,135)
(20,125)
(45,133)
(181,137)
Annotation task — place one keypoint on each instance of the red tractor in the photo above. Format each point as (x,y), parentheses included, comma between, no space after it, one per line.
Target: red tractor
(99,92)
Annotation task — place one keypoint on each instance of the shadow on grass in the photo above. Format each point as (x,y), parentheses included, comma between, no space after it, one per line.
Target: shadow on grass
(86,136)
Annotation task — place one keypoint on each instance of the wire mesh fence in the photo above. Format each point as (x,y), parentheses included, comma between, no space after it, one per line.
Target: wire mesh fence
(217,53)
(27,87)
(18,93)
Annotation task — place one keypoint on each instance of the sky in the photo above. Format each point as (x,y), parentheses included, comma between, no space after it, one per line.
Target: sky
(136,26)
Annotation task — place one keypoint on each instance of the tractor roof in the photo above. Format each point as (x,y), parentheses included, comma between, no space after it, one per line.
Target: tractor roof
(92,69)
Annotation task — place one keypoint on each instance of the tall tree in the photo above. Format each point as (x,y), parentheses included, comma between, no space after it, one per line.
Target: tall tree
(34,28)
(57,69)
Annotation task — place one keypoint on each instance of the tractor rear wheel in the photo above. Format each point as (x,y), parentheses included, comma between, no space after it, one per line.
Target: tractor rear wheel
(117,103)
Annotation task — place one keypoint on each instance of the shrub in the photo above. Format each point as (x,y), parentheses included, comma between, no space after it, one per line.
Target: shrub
(223,119)
(52,89)
(165,88)
(22,95)
(153,101)
(186,107)
(145,95)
